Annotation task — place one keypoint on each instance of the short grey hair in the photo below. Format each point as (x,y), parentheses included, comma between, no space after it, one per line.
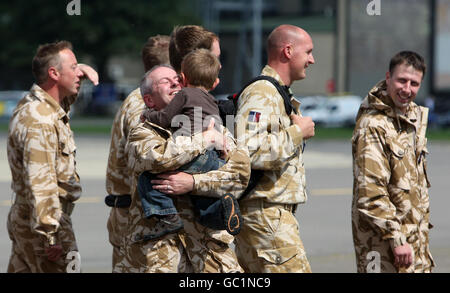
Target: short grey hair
(146,85)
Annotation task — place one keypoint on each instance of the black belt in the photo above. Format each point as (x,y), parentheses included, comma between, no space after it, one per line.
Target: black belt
(118,201)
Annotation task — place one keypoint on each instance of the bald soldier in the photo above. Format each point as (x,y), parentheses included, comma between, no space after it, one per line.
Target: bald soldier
(390,208)
(269,241)
(41,155)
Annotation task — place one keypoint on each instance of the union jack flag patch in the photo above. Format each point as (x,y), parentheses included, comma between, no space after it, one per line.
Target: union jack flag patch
(254,116)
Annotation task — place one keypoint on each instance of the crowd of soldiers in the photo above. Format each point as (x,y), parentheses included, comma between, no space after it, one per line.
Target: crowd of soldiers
(390,209)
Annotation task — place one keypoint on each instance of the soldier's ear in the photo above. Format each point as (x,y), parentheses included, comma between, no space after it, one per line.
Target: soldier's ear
(148,101)
(53,73)
(388,77)
(287,51)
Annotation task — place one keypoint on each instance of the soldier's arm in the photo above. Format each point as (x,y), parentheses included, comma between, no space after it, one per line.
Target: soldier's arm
(40,151)
(372,173)
(257,126)
(164,116)
(89,73)
(232,177)
(132,113)
(149,151)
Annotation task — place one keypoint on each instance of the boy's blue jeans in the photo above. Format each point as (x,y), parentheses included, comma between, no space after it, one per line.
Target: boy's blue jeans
(156,203)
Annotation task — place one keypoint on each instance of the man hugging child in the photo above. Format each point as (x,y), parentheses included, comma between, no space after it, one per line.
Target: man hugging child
(199,75)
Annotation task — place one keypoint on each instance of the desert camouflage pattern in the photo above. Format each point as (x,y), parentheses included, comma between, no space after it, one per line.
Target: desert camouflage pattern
(390,204)
(117,174)
(195,248)
(116,224)
(127,117)
(269,240)
(274,143)
(41,155)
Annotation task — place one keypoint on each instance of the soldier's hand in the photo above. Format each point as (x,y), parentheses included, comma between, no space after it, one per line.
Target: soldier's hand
(54,252)
(89,72)
(213,138)
(306,124)
(174,183)
(403,256)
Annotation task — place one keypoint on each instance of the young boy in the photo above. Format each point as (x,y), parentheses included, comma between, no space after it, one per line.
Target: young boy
(199,74)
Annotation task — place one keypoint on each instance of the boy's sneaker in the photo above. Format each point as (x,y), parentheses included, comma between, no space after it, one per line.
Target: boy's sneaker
(232,215)
(165,225)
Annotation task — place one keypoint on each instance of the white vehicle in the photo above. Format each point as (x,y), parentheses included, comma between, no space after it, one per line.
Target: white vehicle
(333,111)
(342,110)
(314,107)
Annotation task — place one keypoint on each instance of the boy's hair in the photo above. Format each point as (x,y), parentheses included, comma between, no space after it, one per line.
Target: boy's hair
(185,39)
(47,55)
(408,58)
(155,51)
(201,68)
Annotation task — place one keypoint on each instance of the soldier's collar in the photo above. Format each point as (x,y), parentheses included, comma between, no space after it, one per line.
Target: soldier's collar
(269,71)
(42,95)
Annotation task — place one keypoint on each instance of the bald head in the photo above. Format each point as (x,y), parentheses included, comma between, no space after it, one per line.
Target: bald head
(289,52)
(283,35)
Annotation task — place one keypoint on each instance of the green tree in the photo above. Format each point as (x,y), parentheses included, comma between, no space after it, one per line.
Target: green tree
(103,29)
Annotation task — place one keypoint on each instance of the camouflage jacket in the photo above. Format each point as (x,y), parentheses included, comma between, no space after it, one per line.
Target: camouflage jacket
(153,148)
(41,155)
(274,143)
(390,193)
(128,117)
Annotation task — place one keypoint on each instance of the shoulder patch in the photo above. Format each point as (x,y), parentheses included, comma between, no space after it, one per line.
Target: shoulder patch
(254,116)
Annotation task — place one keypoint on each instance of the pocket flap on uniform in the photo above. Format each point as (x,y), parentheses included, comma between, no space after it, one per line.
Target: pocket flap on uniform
(67,147)
(397,149)
(278,256)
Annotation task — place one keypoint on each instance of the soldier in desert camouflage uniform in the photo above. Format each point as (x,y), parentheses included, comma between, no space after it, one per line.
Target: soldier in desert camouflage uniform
(118,185)
(269,241)
(41,155)
(390,208)
(150,147)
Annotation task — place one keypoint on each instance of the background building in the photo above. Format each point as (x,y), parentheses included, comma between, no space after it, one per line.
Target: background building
(353,41)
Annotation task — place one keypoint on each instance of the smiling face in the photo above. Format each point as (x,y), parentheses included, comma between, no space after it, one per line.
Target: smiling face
(166,84)
(69,73)
(289,52)
(302,56)
(403,85)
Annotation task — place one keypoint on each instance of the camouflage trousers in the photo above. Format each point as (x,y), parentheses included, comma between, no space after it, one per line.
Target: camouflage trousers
(269,241)
(374,254)
(117,224)
(28,248)
(195,249)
